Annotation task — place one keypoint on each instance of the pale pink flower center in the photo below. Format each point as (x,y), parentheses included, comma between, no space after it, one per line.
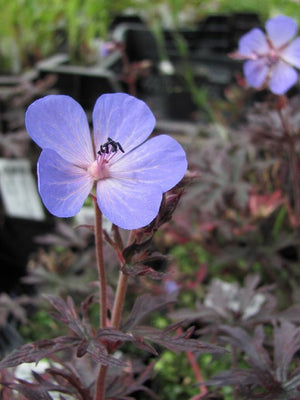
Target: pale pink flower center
(273,56)
(99,169)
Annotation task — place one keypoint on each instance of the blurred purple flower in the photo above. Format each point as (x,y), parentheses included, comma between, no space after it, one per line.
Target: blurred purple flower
(271,58)
(170,286)
(106,48)
(129,185)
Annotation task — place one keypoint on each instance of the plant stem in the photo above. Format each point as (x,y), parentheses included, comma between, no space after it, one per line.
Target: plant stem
(119,300)
(100,265)
(234,366)
(121,292)
(100,384)
(198,375)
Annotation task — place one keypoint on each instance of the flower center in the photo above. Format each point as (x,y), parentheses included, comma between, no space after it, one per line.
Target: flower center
(100,169)
(273,57)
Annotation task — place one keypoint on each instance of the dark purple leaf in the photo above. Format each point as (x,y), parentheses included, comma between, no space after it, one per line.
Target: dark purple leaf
(177,342)
(140,343)
(33,352)
(142,270)
(31,391)
(232,304)
(292,385)
(135,247)
(14,307)
(99,353)
(286,344)
(72,380)
(82,348)
(66,236)
(233,378)
(67,314)
(110,335)
(146,304)
(291,314)
(39,389)
(239,338)
(120,389)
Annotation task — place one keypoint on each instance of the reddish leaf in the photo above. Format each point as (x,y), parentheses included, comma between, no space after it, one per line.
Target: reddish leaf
(142,270)
(67,314)
(135,247)
(146,304)
(175,342)
(33,352)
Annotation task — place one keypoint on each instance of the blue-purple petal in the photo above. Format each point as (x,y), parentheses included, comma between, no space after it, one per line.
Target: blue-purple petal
(58,122)
(160,161)
(63,187)
(127,204)
(123,118)
(131,197)
(291,53)
(283,78)
(281,30)
(253,43)
(256,71)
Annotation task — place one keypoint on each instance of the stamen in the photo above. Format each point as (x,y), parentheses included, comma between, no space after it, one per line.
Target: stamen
(110,147)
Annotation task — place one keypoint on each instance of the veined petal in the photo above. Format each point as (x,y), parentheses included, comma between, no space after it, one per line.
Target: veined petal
(256,71)
(281,30)
(127,204)
(159,161)
(63,187)
(58,122)
(123,118)
(283,77)
(291,53)
(253,43)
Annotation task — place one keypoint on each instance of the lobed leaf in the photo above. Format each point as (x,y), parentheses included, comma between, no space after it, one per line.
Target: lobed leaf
(146,304)
(33,352)
(177,342)
(67,314)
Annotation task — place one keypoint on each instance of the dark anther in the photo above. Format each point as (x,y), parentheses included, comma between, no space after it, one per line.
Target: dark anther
(110,146)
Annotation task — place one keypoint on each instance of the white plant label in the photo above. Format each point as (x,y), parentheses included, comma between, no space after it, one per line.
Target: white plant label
(19,191)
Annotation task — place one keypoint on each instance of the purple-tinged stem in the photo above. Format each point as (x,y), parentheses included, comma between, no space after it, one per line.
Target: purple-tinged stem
(198,375)
(119,300)
(100,265)
(100,384)
(121,292)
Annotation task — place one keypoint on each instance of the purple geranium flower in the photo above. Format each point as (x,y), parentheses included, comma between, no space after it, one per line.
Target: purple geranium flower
(271,58)
(130,174)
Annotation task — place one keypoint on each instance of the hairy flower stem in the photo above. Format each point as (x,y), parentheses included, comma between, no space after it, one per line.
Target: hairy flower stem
(100,265)
(121,292)
(119,301)
(100,384)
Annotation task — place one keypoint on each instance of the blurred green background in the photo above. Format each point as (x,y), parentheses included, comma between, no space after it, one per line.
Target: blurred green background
(33,29)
